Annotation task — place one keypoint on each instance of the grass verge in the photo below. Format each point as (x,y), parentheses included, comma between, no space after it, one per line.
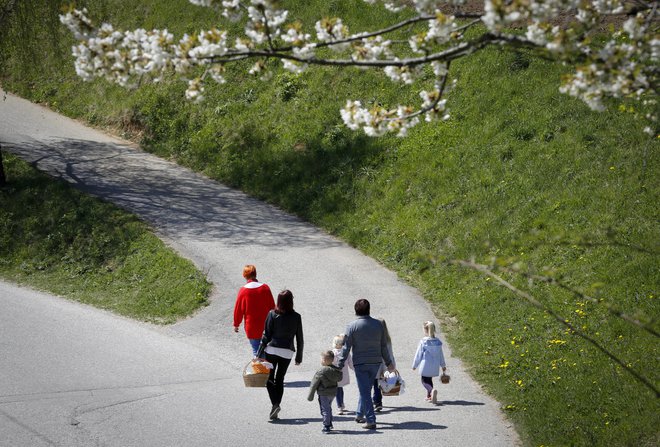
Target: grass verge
(58,239)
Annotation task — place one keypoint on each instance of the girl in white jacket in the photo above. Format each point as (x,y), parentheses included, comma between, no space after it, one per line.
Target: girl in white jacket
(337,345)
(429,358)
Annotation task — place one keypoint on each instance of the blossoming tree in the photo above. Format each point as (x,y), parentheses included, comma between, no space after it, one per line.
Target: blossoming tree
(624,67)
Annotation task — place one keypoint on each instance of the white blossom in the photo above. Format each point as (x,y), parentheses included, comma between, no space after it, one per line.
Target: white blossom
(293,66)
(195,90)
(624,67)
(330,30)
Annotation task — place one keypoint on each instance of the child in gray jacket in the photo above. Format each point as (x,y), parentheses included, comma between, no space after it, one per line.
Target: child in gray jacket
(325,384)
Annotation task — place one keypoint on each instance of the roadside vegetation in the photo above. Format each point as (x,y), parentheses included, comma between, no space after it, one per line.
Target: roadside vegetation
(55,238)
(519,173)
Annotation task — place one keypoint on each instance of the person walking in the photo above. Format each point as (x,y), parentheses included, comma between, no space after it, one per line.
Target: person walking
(283,325)
(378,394)
(253,302)
(337,345)
(365,338)
(429,358)
(324,383)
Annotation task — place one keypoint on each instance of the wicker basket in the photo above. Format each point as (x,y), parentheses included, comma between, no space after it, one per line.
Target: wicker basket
(395,390)
(444,378)
(252,379)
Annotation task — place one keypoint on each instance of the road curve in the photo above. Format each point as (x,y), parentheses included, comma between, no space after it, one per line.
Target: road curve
(77,376)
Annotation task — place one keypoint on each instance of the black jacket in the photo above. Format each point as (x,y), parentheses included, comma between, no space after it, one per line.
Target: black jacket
(279,332)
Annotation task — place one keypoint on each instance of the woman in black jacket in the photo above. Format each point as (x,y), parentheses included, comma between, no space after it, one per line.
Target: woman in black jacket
(282,326)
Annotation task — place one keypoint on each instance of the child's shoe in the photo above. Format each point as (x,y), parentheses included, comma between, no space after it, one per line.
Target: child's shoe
(341,410)
(326,428)
(378,407)
(434,397)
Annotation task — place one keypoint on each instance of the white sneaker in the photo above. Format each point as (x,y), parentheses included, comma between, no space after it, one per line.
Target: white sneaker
(434,396)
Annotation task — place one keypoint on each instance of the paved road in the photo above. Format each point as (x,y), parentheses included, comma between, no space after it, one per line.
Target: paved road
(71,375)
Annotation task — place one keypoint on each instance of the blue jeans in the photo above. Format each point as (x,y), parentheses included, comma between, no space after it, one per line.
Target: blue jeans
(365,375)
(325,404)
(340,397)
(254,342)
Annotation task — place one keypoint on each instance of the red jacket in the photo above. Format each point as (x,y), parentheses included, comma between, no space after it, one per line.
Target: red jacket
(253,303)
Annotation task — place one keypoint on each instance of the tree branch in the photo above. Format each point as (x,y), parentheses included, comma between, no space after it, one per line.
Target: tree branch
(536,303)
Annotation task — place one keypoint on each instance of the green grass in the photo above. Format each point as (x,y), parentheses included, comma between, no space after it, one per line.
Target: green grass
(520,172)
(58,239)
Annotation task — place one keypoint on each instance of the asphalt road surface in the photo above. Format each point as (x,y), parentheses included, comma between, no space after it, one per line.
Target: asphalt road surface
(73,375)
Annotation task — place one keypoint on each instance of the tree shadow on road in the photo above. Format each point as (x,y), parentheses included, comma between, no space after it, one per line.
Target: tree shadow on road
(174,199)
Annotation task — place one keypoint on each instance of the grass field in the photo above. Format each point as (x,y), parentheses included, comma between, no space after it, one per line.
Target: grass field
(55,238)
(520,174)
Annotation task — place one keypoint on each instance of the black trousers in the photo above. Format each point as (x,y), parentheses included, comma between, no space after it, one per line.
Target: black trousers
(275,384)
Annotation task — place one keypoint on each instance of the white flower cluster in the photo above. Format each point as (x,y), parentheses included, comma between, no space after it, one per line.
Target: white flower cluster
(202,2)
(405,74)
(232,10)
(302,47)
(210,43)
(441,30)
(264,21)
(372,48)
(78,23)
(499,14)
(377,121)
(434,105)
(625,67)
(422,6)
(622,68)
(119,56)
(330,30)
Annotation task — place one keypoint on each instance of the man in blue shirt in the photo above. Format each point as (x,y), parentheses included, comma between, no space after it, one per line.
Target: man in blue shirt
(365,336)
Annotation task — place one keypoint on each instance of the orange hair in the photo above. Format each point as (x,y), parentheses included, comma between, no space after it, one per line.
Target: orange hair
(250,272)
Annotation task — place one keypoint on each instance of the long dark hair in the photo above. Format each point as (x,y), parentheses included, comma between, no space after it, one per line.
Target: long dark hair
(284,302)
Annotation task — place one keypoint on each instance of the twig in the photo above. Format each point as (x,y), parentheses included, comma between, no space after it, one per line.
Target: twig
(536,303)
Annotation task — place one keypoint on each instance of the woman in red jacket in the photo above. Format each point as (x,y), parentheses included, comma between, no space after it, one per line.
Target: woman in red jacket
(253,303)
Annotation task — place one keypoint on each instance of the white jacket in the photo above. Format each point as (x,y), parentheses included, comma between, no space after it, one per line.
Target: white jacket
(346,379)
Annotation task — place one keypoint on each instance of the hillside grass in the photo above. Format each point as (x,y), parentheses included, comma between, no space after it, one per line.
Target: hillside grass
(55,238)
(520,172)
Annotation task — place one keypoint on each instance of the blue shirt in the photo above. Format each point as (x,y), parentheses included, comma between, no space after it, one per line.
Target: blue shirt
(366,338)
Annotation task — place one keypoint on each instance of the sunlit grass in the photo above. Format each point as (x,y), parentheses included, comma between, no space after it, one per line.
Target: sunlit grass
(519,172)
(57,239)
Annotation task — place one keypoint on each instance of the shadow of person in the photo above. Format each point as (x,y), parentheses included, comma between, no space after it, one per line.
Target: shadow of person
(410,425)
(298,384)
(459,402)
(408,409)
(295,421)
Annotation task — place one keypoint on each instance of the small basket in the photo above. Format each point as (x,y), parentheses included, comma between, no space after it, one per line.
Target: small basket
(395,390)
(254,379)
(444,378)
